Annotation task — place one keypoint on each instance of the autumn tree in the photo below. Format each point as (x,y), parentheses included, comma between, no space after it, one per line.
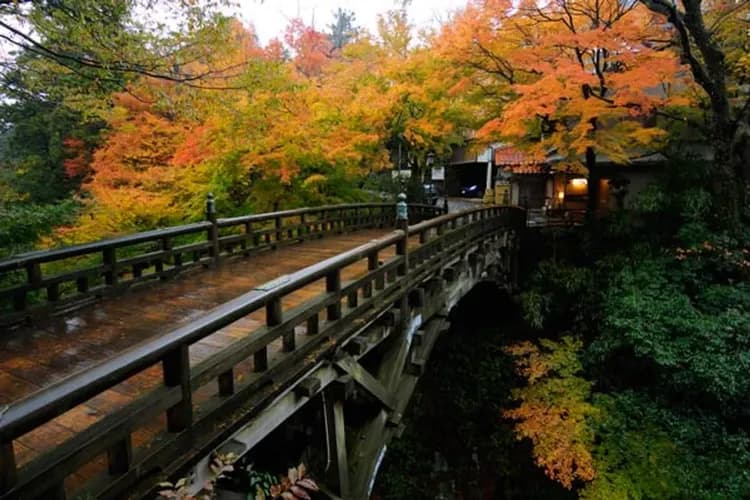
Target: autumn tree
(150,170)
(712,37)
(311,48)
(577,77)
(555,410)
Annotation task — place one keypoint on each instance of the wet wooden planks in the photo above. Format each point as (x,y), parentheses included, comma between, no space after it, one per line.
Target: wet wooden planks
(34,357)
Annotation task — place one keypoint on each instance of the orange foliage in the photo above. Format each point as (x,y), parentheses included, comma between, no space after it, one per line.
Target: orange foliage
(579,73)
(77,157)
(311,48)
(554,409)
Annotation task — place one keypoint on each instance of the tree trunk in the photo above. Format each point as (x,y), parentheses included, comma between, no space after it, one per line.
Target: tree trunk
(727,186)
(593,183)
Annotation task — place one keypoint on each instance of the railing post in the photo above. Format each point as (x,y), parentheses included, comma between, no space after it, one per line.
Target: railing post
(8,473)
(213,231)
(120,456)
(445,205)
(248,241)
(372,265)
(176,366)
(302,227)
(402,222)
(109,257)
(277,224)
(333,285)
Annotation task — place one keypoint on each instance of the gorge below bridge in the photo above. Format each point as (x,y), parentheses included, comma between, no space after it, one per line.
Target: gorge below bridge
(107,388)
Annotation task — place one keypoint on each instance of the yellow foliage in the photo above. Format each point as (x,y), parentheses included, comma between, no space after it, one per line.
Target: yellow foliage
(554,410)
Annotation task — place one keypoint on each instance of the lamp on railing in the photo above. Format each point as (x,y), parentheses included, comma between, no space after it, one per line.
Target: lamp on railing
(402,222)
(402,209)
(210,207)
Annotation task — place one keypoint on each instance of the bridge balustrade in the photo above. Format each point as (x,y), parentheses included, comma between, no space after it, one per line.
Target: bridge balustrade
(194,422)
(40,281)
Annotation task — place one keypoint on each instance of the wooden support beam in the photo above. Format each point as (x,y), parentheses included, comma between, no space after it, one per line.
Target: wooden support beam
(308,388)
(416,365)
(365,380)
(344,388)
(357,346)
(338,472)
(450,274)
(417,297)
(366,454)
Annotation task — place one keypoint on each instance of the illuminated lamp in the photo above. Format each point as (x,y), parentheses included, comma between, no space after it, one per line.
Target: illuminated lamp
(579,182)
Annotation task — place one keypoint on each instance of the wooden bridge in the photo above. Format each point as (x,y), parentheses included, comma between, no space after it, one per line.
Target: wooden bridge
(107,388)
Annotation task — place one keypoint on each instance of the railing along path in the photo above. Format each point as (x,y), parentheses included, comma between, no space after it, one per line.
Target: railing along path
(307,333)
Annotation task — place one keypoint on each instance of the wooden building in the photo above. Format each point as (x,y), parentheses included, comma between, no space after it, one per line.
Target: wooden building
(542,182)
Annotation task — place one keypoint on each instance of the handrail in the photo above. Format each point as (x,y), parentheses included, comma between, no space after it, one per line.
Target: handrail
(54,400)
(228,221)
(115,263)
(19,261)
(455,234)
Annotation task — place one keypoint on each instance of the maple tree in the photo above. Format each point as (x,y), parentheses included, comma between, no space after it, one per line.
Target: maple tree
(555,410)
(576,77)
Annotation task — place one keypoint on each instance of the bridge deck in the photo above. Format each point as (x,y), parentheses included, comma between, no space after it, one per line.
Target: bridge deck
(34,357)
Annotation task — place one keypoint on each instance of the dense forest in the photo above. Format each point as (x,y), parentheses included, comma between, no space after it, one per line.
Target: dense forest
(635,361)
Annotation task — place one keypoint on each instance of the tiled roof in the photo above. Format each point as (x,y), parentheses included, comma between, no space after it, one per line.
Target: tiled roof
(519,162)
(527,169)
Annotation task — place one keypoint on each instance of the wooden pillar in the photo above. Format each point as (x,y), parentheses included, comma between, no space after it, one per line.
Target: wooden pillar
(338,471)
(8,474)
(176,367)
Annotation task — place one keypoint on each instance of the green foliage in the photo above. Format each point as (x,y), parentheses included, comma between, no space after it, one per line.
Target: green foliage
(648,450)
(34,148)
(696,334)
(21,225)
(83,50)
(558,295)
(664,307)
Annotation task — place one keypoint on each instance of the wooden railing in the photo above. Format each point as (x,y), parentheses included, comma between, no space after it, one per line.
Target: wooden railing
(308,333)
(55,278)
